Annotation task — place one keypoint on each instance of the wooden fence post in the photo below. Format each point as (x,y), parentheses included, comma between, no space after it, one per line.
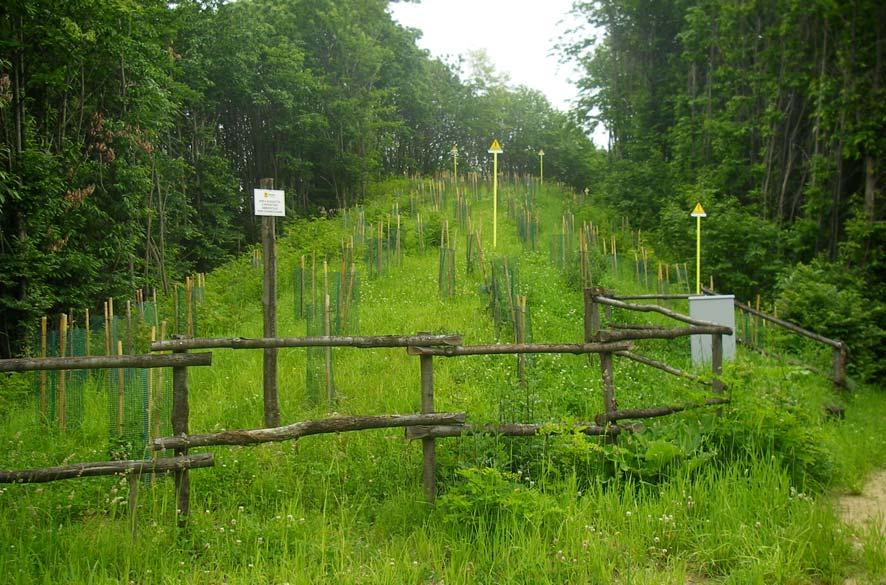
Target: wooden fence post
(180,414)
(269,302)
(839,354)
(592,315)
(609,402)
(717,362)
(428,447)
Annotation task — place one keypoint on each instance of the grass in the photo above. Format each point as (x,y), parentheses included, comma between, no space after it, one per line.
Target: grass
(741,498)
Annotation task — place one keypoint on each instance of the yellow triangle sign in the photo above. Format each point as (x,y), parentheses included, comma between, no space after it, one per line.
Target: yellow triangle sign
(495,147)
(698,211)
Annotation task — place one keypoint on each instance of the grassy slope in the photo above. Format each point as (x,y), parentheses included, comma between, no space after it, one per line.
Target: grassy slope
(694,495)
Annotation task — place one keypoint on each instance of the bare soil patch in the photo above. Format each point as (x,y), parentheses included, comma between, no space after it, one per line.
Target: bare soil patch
(867,507)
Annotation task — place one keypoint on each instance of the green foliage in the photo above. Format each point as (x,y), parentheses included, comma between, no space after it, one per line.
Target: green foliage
(825,298)
(491,497)
(741,251)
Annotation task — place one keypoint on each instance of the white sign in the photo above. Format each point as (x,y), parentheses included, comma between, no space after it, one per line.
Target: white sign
(269,202)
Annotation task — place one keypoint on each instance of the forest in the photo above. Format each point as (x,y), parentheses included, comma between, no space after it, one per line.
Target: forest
(133,133)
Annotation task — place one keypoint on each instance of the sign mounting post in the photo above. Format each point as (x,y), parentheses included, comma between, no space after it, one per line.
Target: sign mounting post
(454,153)
(698,213)
(494,150)
(541,165)
(269,204)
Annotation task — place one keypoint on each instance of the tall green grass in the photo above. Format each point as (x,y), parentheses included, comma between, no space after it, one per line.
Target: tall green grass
(737,498)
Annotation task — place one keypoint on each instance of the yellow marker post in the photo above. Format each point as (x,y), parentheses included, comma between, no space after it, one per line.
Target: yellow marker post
(698,213)
(494,150)
(454,153)
(541,166)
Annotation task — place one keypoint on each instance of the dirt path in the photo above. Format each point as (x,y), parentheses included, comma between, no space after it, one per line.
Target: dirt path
(869,506)
(865,509)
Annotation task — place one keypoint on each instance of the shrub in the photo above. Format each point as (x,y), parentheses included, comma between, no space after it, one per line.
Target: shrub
(828,299)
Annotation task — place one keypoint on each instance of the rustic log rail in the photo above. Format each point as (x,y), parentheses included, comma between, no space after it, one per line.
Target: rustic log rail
(363,342)
(836,344)
(662,332)
(518,348)
(604,300)
(101,468)
(337,424)
(839,349)
(652,297)
(653,412)
(105,362)
(178,465)
(662,366)
(514,430)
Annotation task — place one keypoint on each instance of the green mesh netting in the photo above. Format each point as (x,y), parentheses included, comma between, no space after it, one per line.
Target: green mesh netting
(139,409)
(473,254)
(185,320)
(344,298)
(502,290)
(446,273)
(378,251)
(319,370)
(462,211)
(527,228)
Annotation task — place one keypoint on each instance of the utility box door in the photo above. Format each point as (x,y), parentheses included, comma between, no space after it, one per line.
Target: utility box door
(717,309)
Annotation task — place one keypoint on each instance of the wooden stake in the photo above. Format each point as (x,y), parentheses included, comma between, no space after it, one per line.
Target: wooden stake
(88,333)
(330,390)
(301,299)
(120,390)
(43,375)
(189,299)
(156,308)
(129,326)
(428,446)
(107,331)
(180,416)
(151,405)
(61,400)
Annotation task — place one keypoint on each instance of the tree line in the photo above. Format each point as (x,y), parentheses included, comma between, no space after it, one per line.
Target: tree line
(132,133)
(770,112)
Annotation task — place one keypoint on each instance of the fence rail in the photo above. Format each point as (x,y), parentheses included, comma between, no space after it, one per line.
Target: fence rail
(363,342)
(105,362)
(426,426)
(100,468)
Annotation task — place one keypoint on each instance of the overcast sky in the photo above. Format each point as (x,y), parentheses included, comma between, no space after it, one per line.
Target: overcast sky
(518,35)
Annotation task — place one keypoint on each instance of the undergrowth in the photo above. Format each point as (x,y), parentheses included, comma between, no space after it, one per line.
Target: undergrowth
(738,494)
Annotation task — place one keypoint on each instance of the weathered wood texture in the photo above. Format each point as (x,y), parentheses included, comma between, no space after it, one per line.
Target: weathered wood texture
(609,336)
(338,424)
(269,314)
(653,412)
(428,447)
(104,362)
(513,430)
(656,309)
(651,297)
(591,315)
(788,360)
(790,326)
(517,348)
(364,342)
(717,362)
(661,366)
(181,412)
(97,468)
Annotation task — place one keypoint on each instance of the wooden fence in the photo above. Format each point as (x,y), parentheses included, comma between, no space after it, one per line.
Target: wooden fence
(178,465)
(428,425)
(839,350)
